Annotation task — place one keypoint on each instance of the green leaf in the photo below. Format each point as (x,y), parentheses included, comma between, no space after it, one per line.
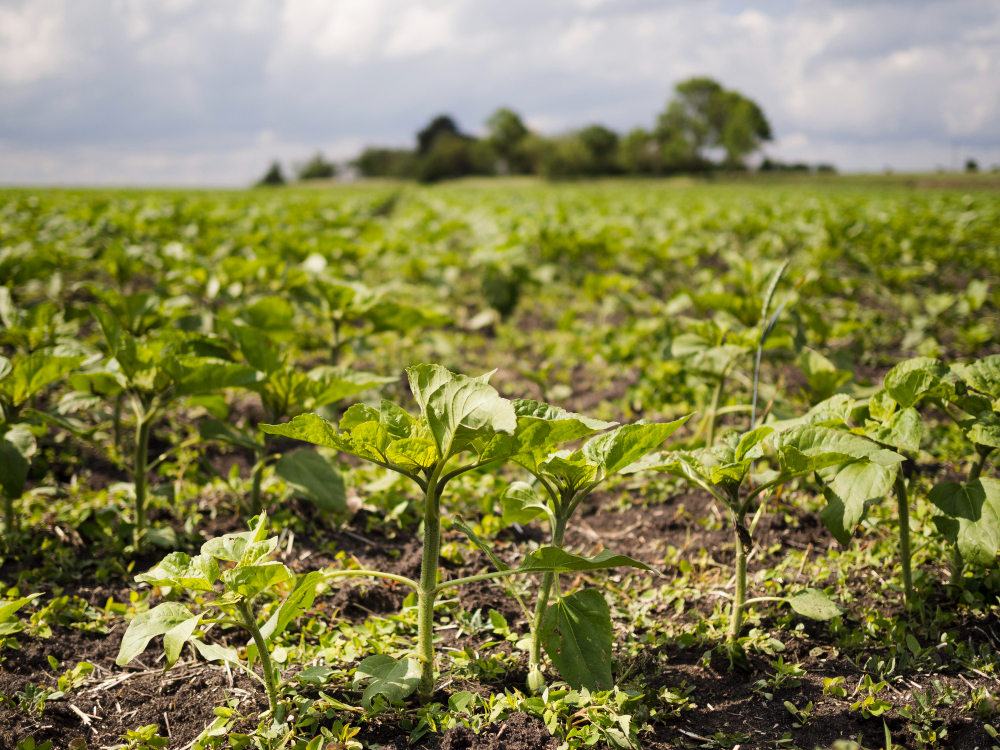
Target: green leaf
(386,315)
(358,414)
(242,548)
(984,429)
(215,652)
(881,406)
(973,523)
(983,375)
(821,374)
(792,462)
(521,504)
(903,430)
(175,638)
(270,314)
(576,634)
(459,409)
(910,380)
(814,604)
(147,625)
(257,349)
(750,441)
(571,471)
(554,559)
(250,580)
(462,526)
(193,375)
(624,445)
(6,368)
(413,454)
(8,608)
(368,440)
(315,477)
(110,328)
(31,374)
(388,677)
(298,600)
(215,429)
(179,569)
(540,426)
(16,448)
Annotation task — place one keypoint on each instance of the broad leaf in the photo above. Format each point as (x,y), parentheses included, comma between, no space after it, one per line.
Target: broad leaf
(814,604)
(572,471)
(554,559)
(902,430)
(983,375)
(521,504)
(257,349)
(193,375)
(8,608)
(215,652)
(179,569)
(175,638)
(413,454)
(908,381)
(16,448)
(624,445)
(577,634)
(984,429)
(298,600)
(31,374)
(540,426)
(792,462)
(147,625)
(270,314)
(312,428)
(243,547)
(388,677)
(973,522)
(822,375)
(881,406)
(250,580)
(386,315)
(315,477)
(358,414)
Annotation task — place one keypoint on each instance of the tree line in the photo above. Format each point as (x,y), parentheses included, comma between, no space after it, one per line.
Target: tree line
(704,127)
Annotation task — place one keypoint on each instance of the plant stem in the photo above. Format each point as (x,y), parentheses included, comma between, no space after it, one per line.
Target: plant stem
(903,507)
(713,409)
(739,599)
(256,505)
(975,469)
(10,520)
(139,478)
(535,655)
(265,656)
(427,592)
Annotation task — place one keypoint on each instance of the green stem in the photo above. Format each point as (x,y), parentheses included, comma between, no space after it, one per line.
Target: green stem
(373,574)
(739,599)
(427,591)
(139,478)
(265,656)
(535,655)
(975,469)
(713,410)
(903,508)
(256,504)
(117,420)
(10,520)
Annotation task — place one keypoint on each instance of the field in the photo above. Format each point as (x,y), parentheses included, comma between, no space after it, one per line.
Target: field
(730,484)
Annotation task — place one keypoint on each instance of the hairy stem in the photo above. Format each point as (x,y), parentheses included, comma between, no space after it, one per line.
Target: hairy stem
(250,622)
(427,592)
(139,478)
(739,598)
(535,655)
(903,508)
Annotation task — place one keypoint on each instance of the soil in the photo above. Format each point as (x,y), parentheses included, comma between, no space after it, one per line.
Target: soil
(180,702)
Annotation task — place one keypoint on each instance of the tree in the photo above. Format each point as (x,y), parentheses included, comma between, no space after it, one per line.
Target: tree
(442,125)
(273,176)
(640,153)
(316,168)
(702,116)
(385,162)
(507,134)
(602,147)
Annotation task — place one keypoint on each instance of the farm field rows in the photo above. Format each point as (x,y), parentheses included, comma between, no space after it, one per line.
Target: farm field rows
(488,465)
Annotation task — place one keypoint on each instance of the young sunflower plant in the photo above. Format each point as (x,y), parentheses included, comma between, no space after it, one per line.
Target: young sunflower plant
(463,425)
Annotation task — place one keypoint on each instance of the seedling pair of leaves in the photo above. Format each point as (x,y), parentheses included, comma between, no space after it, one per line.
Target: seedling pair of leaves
(250,573)
(20,382)
(576,629)
(854,470)
(463,425)
(285,392)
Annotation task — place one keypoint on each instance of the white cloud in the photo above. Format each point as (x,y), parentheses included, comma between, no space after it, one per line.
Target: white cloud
(862,84)
(32,42)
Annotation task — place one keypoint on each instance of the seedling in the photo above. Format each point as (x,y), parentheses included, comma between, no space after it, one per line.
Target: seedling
(20,382)
(839,458)
(463,425)
(251,574)
(567,478)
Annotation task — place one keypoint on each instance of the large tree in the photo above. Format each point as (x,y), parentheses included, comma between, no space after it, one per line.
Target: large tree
(703,115)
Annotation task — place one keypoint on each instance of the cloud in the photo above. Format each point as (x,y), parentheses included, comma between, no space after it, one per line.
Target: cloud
(179,90)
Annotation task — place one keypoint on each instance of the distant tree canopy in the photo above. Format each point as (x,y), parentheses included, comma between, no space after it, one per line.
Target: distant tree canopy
(316,168)
(703,127)
(273,176)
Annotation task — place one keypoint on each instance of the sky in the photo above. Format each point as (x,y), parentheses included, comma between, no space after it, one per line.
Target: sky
(208,92)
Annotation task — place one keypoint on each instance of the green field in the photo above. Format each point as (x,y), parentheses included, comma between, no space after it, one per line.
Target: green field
(730,483)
